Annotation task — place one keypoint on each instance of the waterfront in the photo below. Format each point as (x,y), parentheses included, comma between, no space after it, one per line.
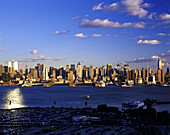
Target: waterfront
(75,97)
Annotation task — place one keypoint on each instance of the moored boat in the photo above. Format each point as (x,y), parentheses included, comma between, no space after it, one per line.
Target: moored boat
(47,85)
(72,85)
(100,84)
(26,85)
(87,97)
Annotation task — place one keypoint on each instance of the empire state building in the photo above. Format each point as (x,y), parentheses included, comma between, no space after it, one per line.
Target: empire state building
(159,63)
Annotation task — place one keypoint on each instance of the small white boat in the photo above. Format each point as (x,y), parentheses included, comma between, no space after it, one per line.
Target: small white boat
(26,85)
(87,97)
(100,84)
(133,105)
(123,84)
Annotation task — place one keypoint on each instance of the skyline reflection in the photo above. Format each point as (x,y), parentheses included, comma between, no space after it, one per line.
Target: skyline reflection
(13,99)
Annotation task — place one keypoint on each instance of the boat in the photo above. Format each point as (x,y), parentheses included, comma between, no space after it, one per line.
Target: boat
(47,85)
(72,85)
(133,105)
(100,84)
(87,97)
(165,85)
(26,85)
(123,84)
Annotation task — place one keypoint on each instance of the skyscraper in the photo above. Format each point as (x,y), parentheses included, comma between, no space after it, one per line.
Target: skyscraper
(13,65)
(91,72)
(46,74)
(109,70)
(143,75)
(1,70)
(67,68)
(43,71)
(160,71)
(159,63)
(79,72)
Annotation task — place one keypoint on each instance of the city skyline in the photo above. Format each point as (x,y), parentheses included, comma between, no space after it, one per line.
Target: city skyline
(92,32)
(118,75)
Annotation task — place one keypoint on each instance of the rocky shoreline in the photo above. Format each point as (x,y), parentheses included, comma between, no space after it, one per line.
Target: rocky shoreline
(100,120)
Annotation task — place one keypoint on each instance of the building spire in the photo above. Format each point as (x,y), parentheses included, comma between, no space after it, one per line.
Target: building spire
(159,63)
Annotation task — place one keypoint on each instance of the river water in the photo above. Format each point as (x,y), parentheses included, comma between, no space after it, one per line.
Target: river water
(15,97)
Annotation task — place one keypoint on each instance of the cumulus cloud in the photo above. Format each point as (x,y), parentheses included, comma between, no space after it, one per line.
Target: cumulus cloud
(168,51)
(163,22)
(138,37)
(111,7)
(141,60)
(168,43)
(2,50)
(108,35)
(153,58)
(80,35)
(148,42)
(135,7)
(98,7)
(62,32)
(76,18)
(163,34)
(96,35)
(146,5)
(163,64)
(34,52)
(168,64)
(165,16)
(132,7)
(81,61)
(152,15)
(85,23)
(40,58)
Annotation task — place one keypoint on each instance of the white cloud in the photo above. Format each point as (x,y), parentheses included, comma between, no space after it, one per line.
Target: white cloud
(168,51)
(146,5)
(62,32)
(2,50)
(163,22)
(40,58)
(98,7)
(165,16)
(168,64)
(80,35)
(76,18)
(139,37)
(168,43)
(111,7)
(152,15)
(34,52)
(132,7)
(96,35)
(108,24)
(163,34)
(153,58)
(148,42)
(163,64)
(108,35)
(135,7)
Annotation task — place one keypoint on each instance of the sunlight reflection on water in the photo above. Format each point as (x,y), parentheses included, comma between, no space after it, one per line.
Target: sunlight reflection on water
(13,99)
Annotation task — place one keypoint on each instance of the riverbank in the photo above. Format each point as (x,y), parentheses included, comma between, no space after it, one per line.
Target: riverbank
(76,83)
(100,120)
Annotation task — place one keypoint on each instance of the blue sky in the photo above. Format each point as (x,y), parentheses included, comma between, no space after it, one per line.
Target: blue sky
(98,32)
